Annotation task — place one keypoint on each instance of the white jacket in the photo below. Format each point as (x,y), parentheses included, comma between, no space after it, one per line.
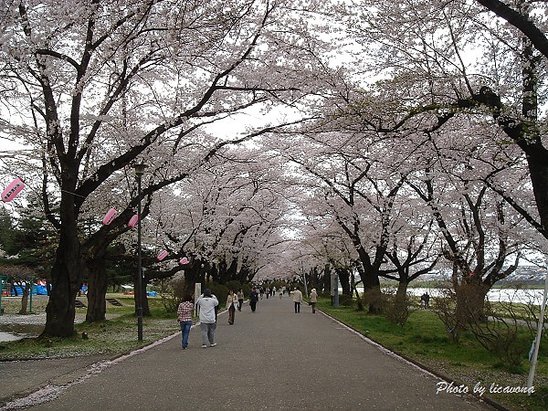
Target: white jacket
(206,306)
(297,296)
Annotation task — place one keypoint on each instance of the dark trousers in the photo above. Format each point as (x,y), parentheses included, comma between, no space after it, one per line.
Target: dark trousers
(297,307)
(240,302)
(313,307)
(253,305)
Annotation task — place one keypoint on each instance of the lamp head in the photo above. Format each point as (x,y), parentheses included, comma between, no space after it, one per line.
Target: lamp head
(139,169)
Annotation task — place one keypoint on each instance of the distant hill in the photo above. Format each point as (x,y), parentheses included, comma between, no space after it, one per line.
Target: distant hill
(529,276)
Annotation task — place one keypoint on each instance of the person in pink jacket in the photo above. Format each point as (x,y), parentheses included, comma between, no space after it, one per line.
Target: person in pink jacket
(184,316)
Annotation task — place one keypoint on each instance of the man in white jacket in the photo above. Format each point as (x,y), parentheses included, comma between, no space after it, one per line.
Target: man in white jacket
(297,296)
(206,305)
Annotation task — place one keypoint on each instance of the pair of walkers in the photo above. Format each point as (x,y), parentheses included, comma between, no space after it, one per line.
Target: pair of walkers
(207,306)
(297,297)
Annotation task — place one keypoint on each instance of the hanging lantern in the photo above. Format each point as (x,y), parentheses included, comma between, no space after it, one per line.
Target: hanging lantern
(109,216)
(161,255)
(183,261)
(133,221)
(12,190)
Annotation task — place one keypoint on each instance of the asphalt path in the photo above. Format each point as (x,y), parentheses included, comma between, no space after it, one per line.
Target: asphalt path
(272,359)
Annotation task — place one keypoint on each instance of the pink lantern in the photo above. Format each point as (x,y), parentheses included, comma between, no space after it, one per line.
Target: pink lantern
(183,261)
(12,190)
(133,221)
(161,255)
(109,216)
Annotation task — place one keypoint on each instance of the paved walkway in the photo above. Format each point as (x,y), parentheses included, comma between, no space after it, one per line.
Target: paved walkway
(272,359)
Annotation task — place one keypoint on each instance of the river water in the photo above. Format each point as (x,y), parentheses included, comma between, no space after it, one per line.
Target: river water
(532,296)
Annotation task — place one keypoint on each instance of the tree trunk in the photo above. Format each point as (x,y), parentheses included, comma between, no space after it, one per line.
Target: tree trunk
(369,275)
(326,279)
(66,275)
(97,289)
(372,295)
(538,169)
(401,293)
(191,277)
(61,309)
(24,299)
(470,303)
(344,278)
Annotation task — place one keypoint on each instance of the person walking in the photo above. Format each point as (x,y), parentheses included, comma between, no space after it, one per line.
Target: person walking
(207,304)
(425,300)
(313,300)
(297,297)
(240,299)
(231,301)
(253,298)
(184,316)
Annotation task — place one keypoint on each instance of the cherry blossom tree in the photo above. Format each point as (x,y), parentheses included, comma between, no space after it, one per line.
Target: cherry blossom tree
(357,177)
(93,86)
(483,58)
(225,220)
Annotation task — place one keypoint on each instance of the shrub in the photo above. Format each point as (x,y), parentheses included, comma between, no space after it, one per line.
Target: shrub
(445,307)
(374,300)
(234,285)
(396,308)
(219,290)
(171,292)
(499,334)
(346,300)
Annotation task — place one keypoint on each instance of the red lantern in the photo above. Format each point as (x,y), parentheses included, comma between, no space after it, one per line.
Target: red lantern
(109,216)
(12,190)
(133,221)
(183,261)
(161,255)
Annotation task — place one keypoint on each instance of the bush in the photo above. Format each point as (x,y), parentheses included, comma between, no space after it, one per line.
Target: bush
(234,285)
(374,300)
(346,300)
(219,290)
(247,288)
(499,334)
(171,292)
(445,307)
(396,308)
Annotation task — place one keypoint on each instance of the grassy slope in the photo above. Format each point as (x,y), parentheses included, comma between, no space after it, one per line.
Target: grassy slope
(423,340)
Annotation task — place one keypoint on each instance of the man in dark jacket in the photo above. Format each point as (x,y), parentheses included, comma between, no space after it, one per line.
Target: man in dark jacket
(253,298)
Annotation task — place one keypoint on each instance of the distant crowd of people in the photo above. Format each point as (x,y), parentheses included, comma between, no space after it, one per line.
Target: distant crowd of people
(207,306)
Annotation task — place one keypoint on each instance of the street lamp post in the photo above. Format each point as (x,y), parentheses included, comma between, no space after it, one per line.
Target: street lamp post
(139,171)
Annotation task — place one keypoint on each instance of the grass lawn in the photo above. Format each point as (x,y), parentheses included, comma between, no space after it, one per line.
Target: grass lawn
(117,335)
(423,339)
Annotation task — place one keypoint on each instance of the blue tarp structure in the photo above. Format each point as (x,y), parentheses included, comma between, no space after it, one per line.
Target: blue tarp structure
(36,290)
